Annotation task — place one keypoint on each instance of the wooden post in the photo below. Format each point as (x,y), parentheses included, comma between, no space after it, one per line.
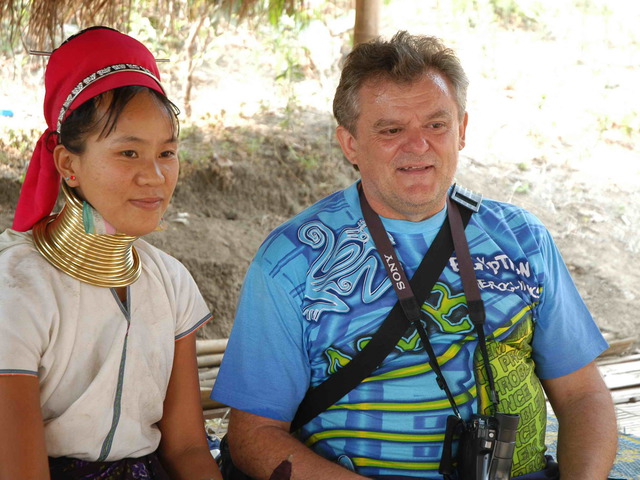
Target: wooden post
(367,19)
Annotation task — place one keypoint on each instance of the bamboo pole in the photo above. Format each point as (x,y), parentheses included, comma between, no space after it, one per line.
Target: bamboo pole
(207,384)
(217,345)
(210,360)
(208,373)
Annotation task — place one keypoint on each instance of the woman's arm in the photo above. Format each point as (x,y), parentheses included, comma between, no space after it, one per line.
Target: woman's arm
(23,453)
(184,450)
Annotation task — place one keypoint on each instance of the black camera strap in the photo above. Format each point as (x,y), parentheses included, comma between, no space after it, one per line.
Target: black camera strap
(404,291)
(412,311)
(475,304)
(319,398)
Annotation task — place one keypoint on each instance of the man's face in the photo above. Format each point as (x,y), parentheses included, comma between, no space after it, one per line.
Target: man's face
(406,145)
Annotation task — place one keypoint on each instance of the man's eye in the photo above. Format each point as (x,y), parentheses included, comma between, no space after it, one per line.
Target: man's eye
(438,125)
(391,131)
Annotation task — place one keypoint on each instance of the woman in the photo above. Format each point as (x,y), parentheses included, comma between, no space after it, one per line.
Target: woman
(98,374)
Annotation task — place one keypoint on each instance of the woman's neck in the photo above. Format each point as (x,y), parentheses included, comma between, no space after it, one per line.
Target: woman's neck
(102,260)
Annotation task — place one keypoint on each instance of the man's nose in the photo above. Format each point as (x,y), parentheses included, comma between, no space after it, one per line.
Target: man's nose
(416,141)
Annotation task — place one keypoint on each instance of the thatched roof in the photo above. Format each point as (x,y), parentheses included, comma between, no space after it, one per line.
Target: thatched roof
(40,23)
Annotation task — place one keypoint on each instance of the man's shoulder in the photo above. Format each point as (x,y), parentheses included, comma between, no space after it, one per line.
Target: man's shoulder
(513,215)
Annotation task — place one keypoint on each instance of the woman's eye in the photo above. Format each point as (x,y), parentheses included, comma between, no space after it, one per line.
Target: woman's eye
(168,154)
(129,153)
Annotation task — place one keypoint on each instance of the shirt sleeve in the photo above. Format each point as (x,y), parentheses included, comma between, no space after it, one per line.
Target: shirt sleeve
(265,369)
(191,309)
(24,324)
(566,337)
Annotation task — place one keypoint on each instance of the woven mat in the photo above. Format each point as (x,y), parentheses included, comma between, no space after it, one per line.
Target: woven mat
(627,461)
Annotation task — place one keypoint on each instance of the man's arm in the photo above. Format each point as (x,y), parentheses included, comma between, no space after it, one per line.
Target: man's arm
(258,444)
(587,437)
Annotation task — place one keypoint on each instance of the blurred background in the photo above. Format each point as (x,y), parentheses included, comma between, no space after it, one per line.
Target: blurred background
(553,105)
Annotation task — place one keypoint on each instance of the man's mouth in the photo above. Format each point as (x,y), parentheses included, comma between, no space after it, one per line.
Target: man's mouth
(414,169)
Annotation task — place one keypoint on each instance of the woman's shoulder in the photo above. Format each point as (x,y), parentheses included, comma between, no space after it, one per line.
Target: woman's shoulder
(159,261)
(18,251)
(26,274)
(12,238)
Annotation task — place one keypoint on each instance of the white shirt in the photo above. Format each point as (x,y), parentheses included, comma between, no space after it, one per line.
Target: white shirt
(103,367)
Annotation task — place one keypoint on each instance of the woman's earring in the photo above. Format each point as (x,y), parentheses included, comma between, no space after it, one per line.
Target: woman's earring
(70,177)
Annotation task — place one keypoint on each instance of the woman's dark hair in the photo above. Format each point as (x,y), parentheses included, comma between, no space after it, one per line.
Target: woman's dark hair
(86,119)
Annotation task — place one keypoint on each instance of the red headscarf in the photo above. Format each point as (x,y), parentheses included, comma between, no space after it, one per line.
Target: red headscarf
(90,63)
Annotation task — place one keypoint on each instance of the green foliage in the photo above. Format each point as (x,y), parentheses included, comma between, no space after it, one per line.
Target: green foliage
(514,13)
(307,159)
(196,148)
(522,188)
(630,123)
(16,147)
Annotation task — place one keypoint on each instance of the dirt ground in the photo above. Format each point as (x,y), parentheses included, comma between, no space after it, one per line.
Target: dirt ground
(552,133)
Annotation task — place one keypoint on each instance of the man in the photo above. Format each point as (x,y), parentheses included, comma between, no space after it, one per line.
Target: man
(317,291)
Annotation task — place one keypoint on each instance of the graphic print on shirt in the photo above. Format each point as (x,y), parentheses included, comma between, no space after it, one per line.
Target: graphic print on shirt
(345,262)
(347,268)
(519,391)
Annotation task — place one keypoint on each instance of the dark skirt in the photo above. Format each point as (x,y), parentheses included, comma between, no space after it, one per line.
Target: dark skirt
(143,468)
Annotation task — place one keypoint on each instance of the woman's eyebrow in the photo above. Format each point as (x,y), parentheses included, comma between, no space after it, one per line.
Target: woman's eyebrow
(134,139)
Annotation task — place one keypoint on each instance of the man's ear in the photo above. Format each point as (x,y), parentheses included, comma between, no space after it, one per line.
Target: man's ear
(66,163)
(348,143)
(463,131)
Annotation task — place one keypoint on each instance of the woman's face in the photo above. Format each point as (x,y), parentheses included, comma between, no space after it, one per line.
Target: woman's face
(129,175)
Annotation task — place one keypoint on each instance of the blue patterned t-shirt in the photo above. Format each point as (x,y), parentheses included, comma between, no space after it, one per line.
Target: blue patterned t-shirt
(317,291)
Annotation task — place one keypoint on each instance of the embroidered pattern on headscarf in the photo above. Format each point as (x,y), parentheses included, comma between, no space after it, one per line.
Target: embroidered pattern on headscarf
(103,72)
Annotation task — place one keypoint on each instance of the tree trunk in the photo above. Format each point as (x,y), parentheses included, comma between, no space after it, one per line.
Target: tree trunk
(367,17)
(192,49)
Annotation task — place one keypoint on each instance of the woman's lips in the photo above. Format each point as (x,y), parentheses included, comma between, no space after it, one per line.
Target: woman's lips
(147,203)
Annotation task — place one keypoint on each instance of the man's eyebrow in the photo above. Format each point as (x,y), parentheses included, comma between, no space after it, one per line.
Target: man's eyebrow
(385,122)
(440,114)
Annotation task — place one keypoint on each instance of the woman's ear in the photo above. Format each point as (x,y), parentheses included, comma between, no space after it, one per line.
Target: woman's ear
(66,163)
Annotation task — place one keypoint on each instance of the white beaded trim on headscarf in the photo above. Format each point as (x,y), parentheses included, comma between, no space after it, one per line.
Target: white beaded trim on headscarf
(94,77)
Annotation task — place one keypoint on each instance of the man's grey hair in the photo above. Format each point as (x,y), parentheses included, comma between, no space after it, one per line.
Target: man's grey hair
(403,59)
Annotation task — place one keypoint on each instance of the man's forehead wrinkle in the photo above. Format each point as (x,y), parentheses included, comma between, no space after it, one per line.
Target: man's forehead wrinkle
(380,86)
